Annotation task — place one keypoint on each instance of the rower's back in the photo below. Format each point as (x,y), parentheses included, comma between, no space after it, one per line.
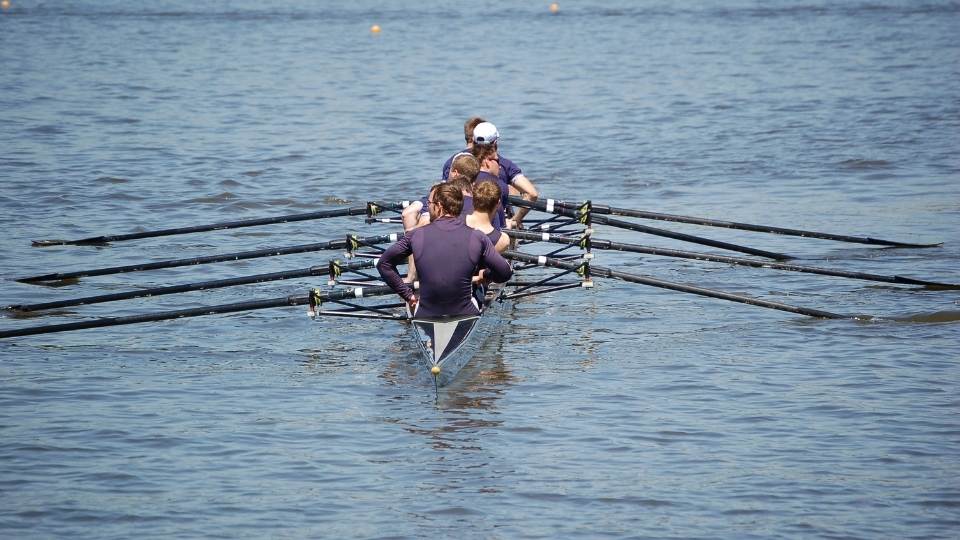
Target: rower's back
(448,254)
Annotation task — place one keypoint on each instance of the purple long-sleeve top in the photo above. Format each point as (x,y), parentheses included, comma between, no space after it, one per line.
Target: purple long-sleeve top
(448,254)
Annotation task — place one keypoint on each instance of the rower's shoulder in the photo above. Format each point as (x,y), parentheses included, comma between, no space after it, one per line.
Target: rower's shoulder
(454,156)
(478,235)
(506,162)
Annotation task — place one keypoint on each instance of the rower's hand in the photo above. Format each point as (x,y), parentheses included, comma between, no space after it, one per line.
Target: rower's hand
(491,165)
(412,304)
(514,224)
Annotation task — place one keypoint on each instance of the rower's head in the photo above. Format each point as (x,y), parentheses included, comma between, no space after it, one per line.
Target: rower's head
(446,199)
(486,155)
(465,186)
(468,126)
(485,134)
(486,196)
(464,166)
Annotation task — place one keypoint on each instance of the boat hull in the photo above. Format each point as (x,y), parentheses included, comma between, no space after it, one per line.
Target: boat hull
(447,344)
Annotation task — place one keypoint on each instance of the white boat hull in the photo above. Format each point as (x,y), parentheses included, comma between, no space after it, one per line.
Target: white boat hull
(447,344)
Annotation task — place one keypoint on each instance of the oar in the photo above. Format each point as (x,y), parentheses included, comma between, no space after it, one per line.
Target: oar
(603,209)
(353,292)
(241,255)
(545,206)
(334,267)
(105,239)
(635,248)
(644,280)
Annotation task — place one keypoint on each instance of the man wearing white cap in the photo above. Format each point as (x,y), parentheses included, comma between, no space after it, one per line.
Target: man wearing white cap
(483,136)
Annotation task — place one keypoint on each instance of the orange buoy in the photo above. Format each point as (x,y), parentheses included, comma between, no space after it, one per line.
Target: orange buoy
(554,7)
(375,29)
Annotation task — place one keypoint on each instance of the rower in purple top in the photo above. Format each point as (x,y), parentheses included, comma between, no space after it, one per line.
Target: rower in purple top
(448,254)
(481,203)
(511,178)
(479,132)
(486,201)
(463,173)
(486,156)
(464,167)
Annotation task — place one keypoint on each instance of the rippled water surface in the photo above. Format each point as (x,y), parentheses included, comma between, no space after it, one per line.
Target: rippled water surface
(622,411)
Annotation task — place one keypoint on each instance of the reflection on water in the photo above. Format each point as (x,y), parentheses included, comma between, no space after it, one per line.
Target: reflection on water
(936,317)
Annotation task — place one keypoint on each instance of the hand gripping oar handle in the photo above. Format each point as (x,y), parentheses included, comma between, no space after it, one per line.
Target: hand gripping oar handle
(644,280)
(105,239)
(635,248)
(354,292)
(551,207)
(604,209)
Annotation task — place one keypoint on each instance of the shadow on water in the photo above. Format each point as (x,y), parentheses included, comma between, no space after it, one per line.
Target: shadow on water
(935,317)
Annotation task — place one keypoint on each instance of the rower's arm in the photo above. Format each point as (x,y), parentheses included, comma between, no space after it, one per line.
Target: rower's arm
(387,266)
(496,268)
(527,191)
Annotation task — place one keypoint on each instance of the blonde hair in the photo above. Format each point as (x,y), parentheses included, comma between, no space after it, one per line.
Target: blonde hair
(465,165)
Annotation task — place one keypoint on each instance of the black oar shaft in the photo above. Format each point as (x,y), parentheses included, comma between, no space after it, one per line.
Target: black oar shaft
(208,259)
(739,261)
(654,282)
(626,212)
(620,224)
(190,287)
(194,312)
(338,212)
(763,228)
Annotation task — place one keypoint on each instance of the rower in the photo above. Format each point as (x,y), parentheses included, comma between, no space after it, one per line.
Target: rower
(478,131)
(490,171)
(463,172)
(464,166)
(486,201)
(448,255)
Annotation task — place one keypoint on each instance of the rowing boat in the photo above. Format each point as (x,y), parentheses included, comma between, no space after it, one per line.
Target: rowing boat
(443,345)
(447,344)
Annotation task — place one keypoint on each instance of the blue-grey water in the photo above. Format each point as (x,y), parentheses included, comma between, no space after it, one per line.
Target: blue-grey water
(619,412)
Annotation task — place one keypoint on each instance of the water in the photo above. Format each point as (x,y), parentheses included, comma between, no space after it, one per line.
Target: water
(619,412)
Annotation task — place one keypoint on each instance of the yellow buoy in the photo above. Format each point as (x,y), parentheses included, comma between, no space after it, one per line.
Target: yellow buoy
(554,7)
(375,29)
(5,4)
(435,370)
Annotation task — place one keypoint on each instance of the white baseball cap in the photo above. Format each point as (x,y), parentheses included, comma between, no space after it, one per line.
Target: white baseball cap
(485,133)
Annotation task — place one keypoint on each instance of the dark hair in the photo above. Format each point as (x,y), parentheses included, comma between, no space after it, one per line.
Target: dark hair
(462,183)
(483,151)
(486,195)
(469,125)
(449,197)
